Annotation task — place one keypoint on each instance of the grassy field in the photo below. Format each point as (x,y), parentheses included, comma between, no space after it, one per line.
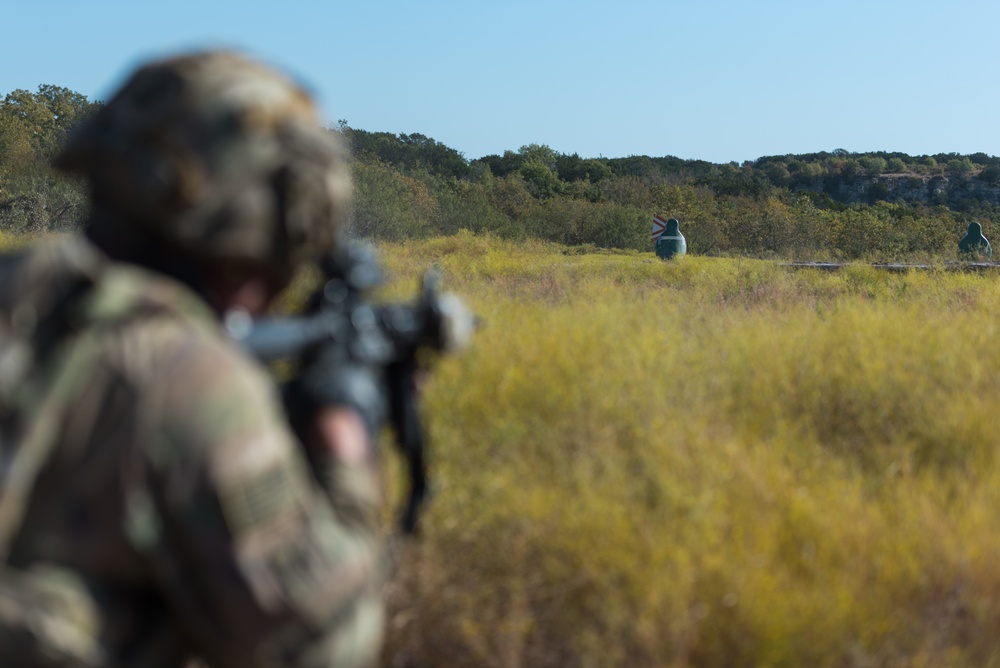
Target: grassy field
(710,462)
(707,462)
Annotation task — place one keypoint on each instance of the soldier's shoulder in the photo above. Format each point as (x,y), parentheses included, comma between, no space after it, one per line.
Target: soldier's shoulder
(169,337)
(34,273)
(125,290)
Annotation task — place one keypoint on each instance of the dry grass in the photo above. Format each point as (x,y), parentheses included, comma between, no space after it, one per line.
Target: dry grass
(705,463)
(708,462)
(10,241)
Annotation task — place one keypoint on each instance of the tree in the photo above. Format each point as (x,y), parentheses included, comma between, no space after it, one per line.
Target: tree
(960,166)
(16,150)
(388,205)
(435,156)
(574,168)
(542,181)
(877,191)
(33,126)
(895,165)
(635,165)
(990,175)
(45,117)
(539,153)
(778,174)
(873,165)
(852,170)
(503,165)
(406,152)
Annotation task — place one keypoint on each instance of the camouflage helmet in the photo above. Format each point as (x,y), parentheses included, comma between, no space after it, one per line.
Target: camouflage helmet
(219,156)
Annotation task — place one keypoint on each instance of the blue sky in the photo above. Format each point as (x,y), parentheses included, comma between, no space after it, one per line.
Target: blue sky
(717,80)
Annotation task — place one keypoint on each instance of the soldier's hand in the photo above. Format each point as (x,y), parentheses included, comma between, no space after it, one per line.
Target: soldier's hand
(341,431)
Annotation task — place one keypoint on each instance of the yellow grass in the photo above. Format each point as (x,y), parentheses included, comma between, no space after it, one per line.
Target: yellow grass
(710,462)
(10,241)
(707,462)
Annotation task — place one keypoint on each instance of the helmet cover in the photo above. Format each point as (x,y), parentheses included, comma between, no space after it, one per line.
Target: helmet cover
(218,155)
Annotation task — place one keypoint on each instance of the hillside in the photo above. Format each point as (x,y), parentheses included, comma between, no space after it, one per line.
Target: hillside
(960,192)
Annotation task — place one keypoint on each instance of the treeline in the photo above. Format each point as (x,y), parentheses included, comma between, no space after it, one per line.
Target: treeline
(834,205)
(830,204)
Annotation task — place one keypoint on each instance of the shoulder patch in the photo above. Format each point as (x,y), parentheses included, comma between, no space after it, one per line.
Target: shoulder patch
(259,499)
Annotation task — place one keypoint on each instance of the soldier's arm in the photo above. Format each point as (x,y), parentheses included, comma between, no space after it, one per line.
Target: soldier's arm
(261,564)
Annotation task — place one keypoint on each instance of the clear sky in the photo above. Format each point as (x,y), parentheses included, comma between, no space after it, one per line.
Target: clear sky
(717,80)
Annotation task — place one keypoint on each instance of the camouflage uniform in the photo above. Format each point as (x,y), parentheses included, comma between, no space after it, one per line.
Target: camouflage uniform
(154,503)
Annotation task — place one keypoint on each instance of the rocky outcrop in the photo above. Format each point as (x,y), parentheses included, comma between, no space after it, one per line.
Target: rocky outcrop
(932,190)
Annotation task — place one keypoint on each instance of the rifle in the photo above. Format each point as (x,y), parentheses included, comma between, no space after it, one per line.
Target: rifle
(388,338)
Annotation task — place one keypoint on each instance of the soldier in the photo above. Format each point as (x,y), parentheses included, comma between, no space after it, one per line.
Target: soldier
(154,504)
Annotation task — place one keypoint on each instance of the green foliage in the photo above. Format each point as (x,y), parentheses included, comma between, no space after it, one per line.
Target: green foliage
(743,183)
(388,205)
(542,181)
(509,163)
(510,196)
(41,201)
(990,175)
(467,206)
(878,191)
(896,165)
(406,152)
(778,174)
(574,168)
(960,166)
(410,186)
(538,153)
(614,226)
(32,128)
(628,191)
(873,165)
(851,170)
(38,122)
